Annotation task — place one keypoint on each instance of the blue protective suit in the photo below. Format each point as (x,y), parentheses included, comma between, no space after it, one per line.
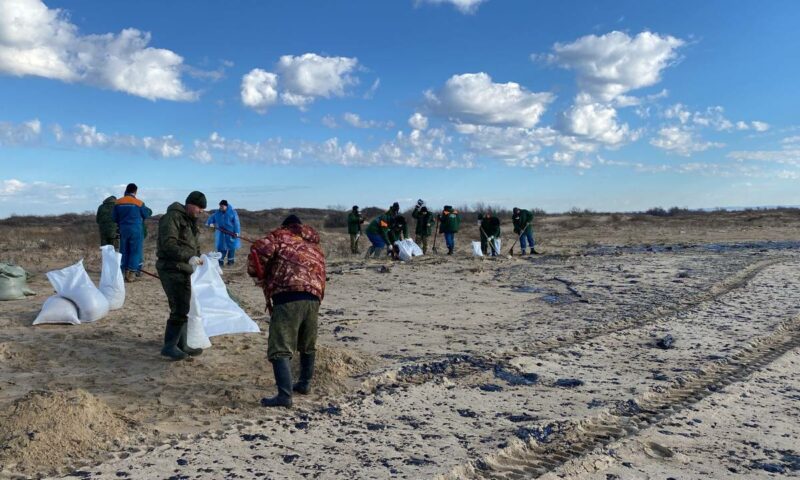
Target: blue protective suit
(226,244)
(129,213)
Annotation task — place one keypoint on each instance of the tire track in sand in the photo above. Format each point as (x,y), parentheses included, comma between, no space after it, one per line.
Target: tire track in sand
(560,443)
(458,366)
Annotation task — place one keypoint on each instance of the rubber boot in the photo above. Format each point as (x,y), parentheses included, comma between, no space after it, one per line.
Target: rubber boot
(172,336)
(221,263)
(182,343)
(303,385)
(282,369)
(230,262)
(449,251)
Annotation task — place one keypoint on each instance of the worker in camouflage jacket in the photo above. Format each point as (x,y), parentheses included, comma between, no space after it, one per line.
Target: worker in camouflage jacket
(178,255)
(289,265)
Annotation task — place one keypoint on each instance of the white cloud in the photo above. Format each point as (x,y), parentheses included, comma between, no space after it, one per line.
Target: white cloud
(598,123)
(418,121)
(759,126)
(474,98)
(38,41)
(14,191)
(610,65)
(259,89)
(355,120)
(166,146)
(463,6)
(330,121)
(20,134)
(791,140)
(790,155)
(681,140)
(308,76)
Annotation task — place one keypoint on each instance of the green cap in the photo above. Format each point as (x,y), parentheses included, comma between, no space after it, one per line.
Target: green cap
(198,199)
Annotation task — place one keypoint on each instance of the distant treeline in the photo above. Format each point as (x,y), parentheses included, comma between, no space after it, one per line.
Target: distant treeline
(336,216)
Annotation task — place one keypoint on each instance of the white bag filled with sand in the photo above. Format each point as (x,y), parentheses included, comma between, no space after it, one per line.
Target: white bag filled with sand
(58,310)
(74,283)
(407,249)
(212,308)
(112,283)
(476,249)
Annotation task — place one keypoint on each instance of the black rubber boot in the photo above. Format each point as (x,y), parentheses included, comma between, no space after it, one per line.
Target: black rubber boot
(303,385)
(282,369)
(172,336)
(182,343)
(449,251)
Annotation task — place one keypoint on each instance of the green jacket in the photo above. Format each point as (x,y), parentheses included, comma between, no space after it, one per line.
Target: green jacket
(524,218)
(425,222)
(396,229)
(105,217)
(177,240)
(354,221)
(449,221)
(490,226)
(380,226)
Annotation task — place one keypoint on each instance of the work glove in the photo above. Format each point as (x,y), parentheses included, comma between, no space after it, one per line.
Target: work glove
(420,202)
(195,262)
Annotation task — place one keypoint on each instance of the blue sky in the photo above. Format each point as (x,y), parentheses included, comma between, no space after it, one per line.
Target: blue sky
(606,105)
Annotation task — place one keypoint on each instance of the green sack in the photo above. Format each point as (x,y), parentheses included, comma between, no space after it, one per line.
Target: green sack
(13,282)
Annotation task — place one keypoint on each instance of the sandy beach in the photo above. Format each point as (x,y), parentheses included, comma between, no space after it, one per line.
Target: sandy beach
(546,366)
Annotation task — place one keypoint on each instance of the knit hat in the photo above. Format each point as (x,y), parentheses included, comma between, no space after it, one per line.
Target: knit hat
(292,220)
(198,199)
(223,202)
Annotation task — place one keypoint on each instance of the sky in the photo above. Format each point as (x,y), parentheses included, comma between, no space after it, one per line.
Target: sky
(608,105)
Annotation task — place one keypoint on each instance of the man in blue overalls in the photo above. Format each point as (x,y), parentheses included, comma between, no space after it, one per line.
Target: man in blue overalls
(227,242)
(130,213)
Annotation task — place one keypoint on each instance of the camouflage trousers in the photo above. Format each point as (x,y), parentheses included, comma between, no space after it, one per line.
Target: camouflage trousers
(354,237)
(293,327)
(109,239)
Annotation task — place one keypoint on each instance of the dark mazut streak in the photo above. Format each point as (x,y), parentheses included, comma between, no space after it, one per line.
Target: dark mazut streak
(457,366)
(585,436)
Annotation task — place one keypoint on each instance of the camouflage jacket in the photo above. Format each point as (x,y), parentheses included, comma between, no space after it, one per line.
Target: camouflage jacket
(177,240)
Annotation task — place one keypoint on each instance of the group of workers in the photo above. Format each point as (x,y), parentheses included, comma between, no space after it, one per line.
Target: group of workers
(288,264)
(387,228)
(122,224)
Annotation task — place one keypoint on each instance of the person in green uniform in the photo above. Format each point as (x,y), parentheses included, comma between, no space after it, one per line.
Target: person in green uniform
(425,223)
(378,234)
(398,229)
(178,254)
(489,230)
(354,222)
(523,226)
(109,231)
(449,223)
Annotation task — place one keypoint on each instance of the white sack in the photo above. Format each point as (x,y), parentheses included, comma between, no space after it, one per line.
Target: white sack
(112,283)
(407,249)
(74,283)
(58,310)
(13,282)
(476,249)
(497,244)
(212,309)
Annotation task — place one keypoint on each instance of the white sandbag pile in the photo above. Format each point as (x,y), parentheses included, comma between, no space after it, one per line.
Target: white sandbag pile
(74,284)
(112,283)
(212,312)
(58,310)
(13,282)
(407,249)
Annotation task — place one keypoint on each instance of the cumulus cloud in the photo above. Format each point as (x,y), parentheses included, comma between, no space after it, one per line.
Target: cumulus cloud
(418,121)
(610,65)
(463,6)
(15,191)
(259,89)
(39,41)
(308,76)
(473,98)
(88,136)
(355,120)
(302,79)
(21,133)
(681,140)
(596,122)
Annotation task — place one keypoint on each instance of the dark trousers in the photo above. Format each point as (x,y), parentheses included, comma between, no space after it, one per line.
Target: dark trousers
(178,288)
